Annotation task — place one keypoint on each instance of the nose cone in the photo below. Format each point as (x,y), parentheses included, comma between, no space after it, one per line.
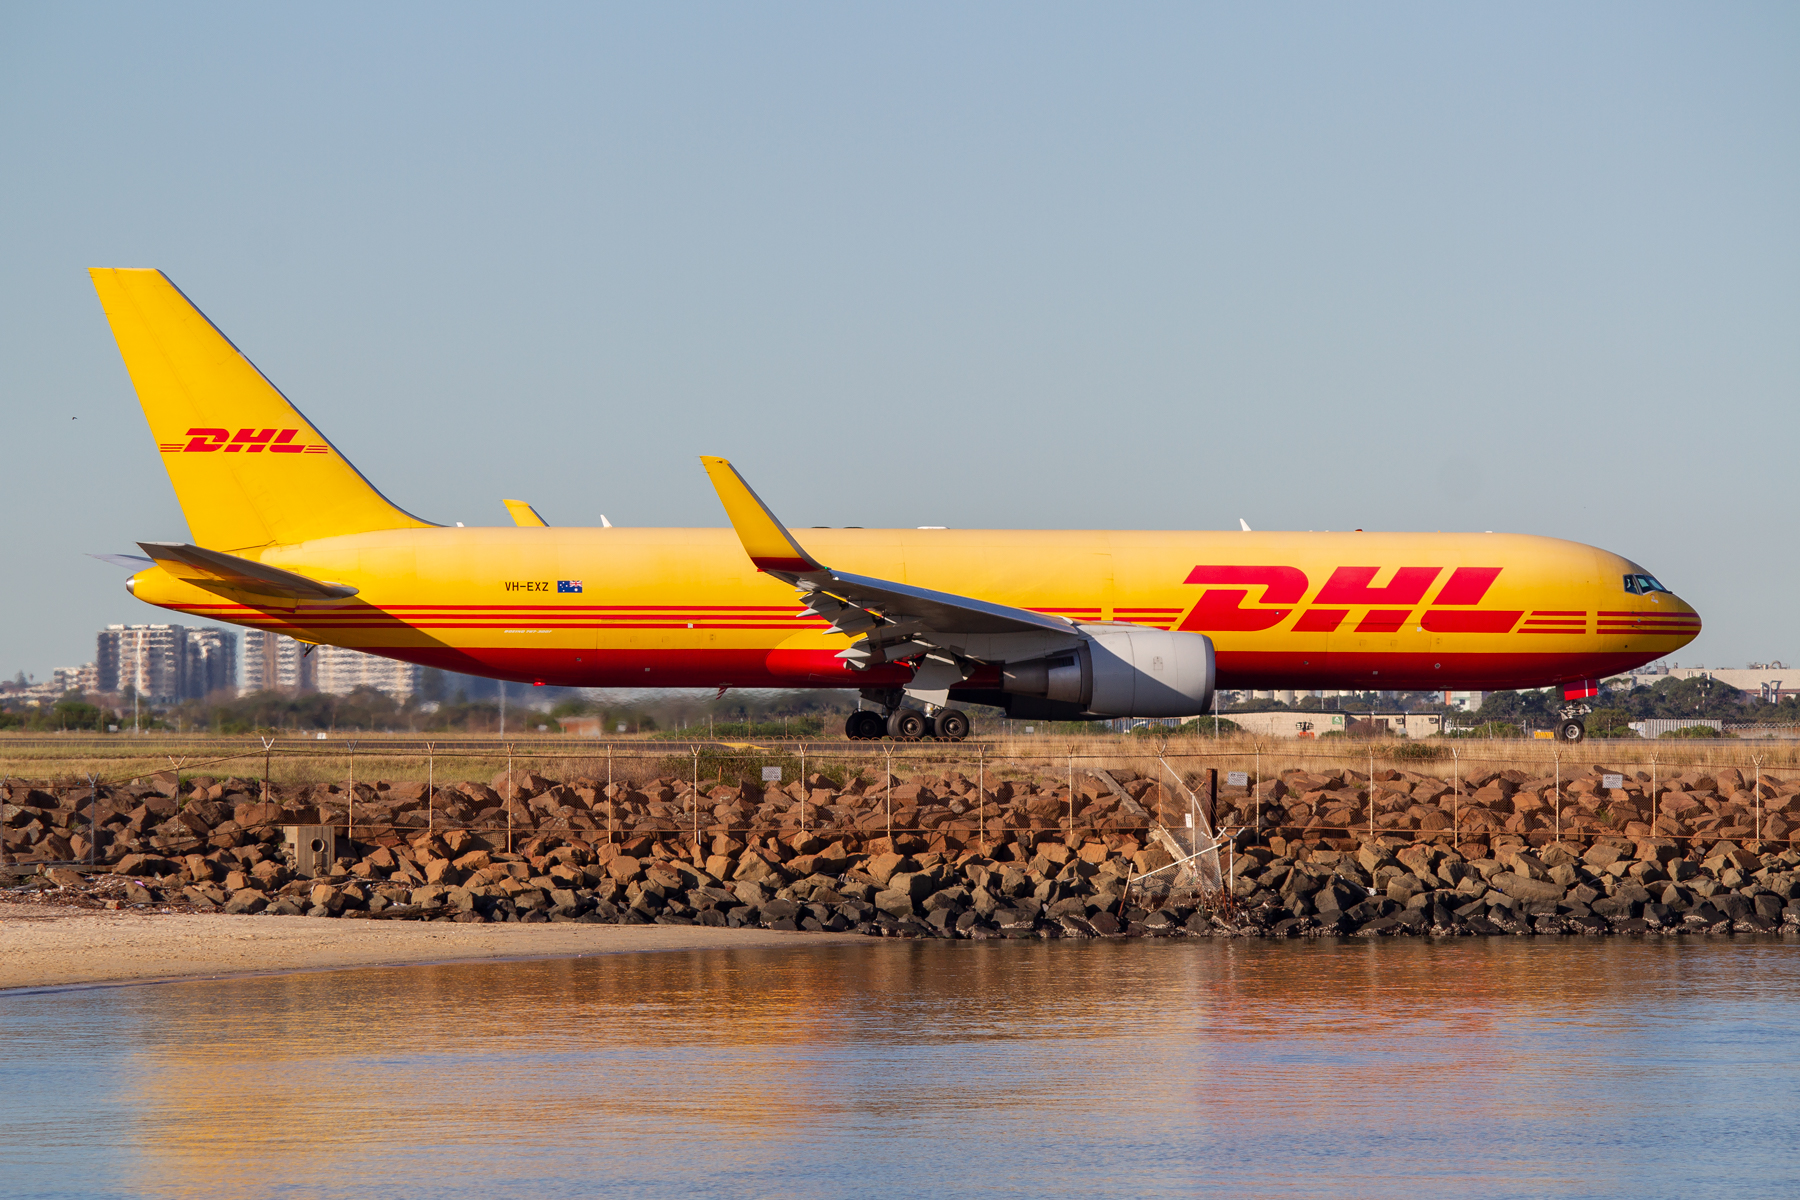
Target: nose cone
(1685,616)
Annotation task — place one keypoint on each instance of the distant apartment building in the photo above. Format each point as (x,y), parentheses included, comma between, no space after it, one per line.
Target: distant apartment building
(165,664)
(212,663)
(84,679)
(342,670)
(273,661)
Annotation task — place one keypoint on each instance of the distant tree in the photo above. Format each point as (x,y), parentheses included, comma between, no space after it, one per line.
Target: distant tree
(1610,723)
(1518,708)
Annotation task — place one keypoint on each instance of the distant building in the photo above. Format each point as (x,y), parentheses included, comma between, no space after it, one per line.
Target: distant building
(145,658)
(1285,724)
(276,662)
(212,663)
(1655,727)
(342,670)
(1772,681)
(164,664)
(84,679)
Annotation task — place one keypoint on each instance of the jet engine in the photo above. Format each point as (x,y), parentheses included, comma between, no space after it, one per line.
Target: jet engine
(1116,671)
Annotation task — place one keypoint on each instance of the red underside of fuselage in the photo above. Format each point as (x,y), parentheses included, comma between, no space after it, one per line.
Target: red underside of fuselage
(822,669)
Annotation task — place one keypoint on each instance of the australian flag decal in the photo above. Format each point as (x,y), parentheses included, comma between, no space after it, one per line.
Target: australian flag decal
(568,585)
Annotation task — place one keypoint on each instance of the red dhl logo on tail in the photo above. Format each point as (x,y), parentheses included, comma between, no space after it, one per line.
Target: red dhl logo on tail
(1220,609)
(245,441)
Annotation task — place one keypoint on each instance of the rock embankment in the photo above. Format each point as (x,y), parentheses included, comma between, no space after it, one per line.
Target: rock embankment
(937,856)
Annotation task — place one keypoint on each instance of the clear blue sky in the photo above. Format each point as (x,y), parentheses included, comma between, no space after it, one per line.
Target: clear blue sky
(1519,267)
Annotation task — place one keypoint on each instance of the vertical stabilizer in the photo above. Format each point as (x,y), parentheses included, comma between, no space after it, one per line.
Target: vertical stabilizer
(249,470)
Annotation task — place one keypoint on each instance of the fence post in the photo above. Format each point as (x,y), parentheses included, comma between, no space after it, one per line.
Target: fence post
(888,794)
(1258,789)
(610,801)
(697,792)
(93,815)
(1371,795)
(1557,756)
(266,744)
(512,788)
(1070,836)
(981,794)
(430,791)
(1455,801)
(5,798)
(1756,765)
(1655,800)
(350,821)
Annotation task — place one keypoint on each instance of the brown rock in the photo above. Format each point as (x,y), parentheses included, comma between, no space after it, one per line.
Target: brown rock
(474,860)
(63,877)
(623,868)
(247,900)
(257,816)
(144,864)
(1523,887)
(271,875)
(1145,861)
(442,870)
(883,867)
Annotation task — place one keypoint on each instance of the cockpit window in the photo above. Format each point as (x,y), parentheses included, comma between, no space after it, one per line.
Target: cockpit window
(1643,585)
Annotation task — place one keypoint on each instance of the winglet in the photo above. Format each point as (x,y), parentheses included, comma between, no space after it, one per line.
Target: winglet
(766,540)
(523,515)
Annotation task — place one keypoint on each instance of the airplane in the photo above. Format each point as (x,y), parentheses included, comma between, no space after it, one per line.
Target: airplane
(1050,624)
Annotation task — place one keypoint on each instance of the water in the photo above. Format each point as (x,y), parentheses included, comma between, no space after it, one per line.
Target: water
(1475,1067)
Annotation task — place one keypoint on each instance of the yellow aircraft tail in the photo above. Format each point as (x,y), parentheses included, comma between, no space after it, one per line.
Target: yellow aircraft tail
(249,471)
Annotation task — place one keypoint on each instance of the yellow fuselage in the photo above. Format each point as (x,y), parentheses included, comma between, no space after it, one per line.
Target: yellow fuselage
(685,607)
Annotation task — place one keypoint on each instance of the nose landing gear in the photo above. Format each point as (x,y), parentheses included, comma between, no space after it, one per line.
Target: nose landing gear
(1571,729)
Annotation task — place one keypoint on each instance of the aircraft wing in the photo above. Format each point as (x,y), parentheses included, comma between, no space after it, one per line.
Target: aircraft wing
(897,618)
(213,570)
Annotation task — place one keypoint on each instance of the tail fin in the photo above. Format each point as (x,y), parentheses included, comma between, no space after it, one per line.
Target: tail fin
(249,471)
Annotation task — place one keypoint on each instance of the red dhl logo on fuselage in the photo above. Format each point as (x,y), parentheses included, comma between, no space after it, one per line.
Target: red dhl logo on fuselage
(245,441)
(1390,607)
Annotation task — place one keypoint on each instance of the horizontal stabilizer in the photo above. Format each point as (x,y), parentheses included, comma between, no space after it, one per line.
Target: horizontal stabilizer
(213,570)
(131,562)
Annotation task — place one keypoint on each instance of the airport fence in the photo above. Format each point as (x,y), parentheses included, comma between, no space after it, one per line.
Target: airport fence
(691,799)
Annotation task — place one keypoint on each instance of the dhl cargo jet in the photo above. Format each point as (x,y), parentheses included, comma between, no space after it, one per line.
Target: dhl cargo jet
(289,536)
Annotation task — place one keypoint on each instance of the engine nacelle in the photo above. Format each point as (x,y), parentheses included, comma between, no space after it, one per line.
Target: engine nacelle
(1120,671)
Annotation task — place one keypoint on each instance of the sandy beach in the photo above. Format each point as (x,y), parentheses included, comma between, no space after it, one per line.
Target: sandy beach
(49,947)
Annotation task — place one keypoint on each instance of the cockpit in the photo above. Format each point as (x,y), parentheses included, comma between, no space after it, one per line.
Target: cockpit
(1643,585)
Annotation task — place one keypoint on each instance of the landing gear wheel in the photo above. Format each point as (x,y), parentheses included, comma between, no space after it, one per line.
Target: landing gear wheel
(953,725)
(1572,731)
(907,724)
(864,726)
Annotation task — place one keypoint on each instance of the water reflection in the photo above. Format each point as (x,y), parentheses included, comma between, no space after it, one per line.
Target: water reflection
(947,1069)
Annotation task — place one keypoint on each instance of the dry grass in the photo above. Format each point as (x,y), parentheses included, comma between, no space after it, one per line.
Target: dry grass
(69,761)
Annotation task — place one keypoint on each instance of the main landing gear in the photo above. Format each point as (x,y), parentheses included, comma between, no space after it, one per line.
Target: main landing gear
(1570,728)
(907,725)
